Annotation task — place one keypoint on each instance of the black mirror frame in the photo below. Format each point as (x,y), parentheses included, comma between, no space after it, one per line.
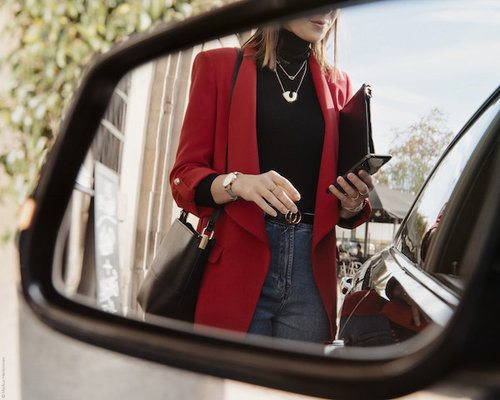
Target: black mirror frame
(381,372)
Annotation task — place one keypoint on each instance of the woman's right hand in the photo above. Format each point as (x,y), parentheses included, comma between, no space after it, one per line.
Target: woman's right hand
(266,190)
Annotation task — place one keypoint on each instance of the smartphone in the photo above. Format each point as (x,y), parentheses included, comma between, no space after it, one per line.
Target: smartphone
(371,163)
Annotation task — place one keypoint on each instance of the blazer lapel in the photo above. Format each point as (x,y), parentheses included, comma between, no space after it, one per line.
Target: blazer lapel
(326,208)
(242,148)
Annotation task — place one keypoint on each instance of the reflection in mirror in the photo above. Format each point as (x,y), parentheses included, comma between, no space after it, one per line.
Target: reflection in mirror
(122,204)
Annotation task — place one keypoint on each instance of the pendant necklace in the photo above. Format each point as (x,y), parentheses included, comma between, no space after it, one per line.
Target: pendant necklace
(291,96)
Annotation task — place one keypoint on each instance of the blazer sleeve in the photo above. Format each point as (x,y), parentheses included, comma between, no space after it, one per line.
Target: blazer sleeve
(196,144)
(341,90)
(358,219)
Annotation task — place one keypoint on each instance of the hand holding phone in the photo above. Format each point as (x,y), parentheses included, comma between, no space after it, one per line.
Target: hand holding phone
(371,163)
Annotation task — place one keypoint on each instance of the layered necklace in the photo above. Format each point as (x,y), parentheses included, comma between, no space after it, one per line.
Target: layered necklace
(289,95)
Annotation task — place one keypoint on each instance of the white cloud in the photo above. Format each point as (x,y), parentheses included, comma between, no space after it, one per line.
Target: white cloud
(484,12)
(475,57)
(386,119)
(399,95)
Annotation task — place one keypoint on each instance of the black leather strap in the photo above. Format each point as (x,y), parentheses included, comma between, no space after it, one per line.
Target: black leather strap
(217,210)
(239,58)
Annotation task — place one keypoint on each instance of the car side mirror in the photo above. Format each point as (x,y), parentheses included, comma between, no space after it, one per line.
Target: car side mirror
(60,250)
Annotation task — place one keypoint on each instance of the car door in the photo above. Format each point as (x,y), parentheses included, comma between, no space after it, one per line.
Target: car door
(398,293)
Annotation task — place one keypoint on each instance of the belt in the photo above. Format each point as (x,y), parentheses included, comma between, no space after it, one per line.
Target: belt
(292,219)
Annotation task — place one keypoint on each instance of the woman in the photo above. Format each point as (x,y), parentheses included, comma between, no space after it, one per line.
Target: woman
(267,275)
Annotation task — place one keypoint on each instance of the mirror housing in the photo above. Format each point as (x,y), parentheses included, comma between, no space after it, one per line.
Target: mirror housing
(346,373)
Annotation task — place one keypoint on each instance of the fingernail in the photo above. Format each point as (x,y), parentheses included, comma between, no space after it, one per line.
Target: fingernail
(295,209)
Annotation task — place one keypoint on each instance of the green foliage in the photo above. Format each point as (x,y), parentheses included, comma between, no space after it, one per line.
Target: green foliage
(57,40)
(417,149)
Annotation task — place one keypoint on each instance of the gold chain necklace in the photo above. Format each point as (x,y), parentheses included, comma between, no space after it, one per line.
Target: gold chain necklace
(291,96)
(292,78)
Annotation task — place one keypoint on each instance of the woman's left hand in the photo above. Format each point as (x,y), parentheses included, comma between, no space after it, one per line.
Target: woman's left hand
(352,201)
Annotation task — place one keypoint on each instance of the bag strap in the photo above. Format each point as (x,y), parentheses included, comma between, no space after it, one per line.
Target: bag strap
(239,58)
(213,219)
(368,96)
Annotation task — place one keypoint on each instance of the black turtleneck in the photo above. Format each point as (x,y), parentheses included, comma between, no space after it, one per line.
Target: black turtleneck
(289,135)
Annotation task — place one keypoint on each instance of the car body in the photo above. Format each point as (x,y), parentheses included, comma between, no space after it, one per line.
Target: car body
(377,309)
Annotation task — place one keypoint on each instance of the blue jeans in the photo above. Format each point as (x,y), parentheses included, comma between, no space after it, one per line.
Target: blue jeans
(290,306)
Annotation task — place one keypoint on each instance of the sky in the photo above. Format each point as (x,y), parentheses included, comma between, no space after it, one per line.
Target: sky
(419,55)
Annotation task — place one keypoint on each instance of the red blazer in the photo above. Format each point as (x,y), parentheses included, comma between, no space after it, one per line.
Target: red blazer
(239,262)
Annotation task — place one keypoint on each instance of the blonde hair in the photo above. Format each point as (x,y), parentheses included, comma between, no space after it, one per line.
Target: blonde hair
(265,41)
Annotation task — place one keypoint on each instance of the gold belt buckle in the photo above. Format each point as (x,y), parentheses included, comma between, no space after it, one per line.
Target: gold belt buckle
(293,218)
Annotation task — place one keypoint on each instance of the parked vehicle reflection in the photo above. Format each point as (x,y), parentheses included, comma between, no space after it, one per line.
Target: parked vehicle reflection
(397,293)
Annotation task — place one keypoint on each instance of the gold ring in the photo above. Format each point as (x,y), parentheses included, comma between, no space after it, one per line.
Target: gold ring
(357,196)
(272,188)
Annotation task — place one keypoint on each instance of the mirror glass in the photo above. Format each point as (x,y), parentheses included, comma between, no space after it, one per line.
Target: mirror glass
(417,56)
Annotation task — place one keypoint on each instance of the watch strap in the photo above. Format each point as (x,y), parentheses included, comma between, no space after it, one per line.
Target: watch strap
(228,188)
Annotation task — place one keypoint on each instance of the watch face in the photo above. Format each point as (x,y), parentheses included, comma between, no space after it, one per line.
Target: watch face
(228,179)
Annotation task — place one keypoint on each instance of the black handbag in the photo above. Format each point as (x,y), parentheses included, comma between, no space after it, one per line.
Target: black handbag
(171,286)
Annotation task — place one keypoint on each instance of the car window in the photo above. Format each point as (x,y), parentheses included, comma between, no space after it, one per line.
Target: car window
(416,233)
